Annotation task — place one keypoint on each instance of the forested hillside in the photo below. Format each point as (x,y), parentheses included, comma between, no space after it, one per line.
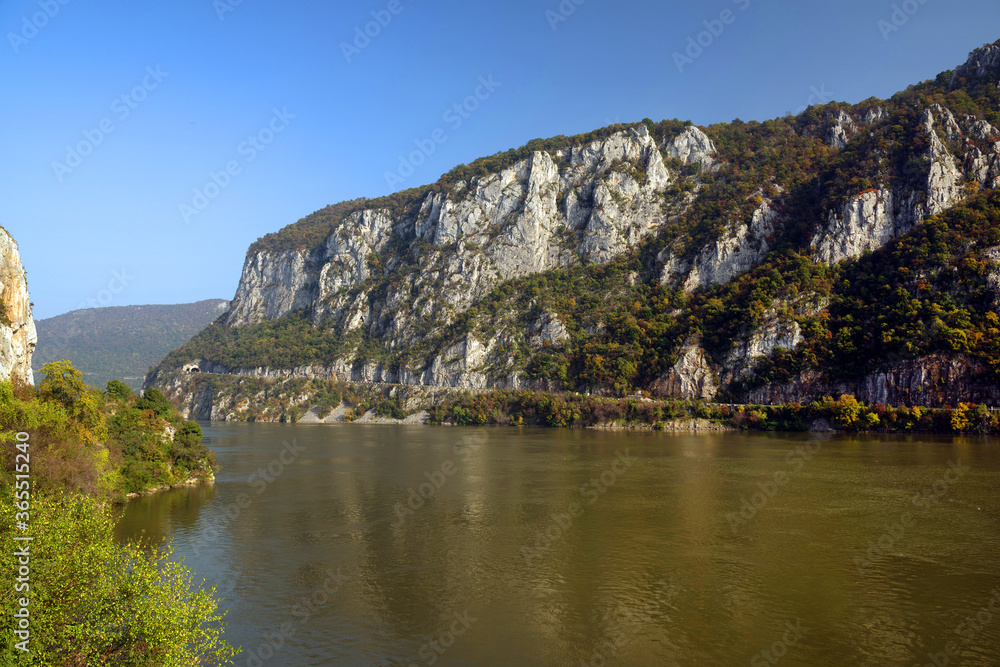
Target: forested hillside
(121,343)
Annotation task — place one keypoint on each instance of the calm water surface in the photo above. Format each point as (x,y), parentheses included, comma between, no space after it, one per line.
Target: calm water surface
(545,547)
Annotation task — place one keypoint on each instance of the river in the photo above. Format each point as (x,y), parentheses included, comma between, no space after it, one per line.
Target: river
(350,544)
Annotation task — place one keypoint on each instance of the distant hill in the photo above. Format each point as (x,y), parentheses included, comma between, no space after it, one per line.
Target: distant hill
(123,342)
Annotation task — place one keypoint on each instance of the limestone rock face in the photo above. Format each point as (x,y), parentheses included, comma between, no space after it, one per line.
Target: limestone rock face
(737,252)
(545,212)
(944,179)
(981,63)
(932,381)
(773,333)
(271,286)
(548,330)
(869,220)
(693,146)
(692,377)
(875,115)
(17,328)
(587,203)
(994,277)
(844,127)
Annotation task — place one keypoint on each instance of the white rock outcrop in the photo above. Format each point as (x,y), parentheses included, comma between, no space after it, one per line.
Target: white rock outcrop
(17,328)
(993,254)
(980,64)
(693,146)
(867,222)
(772,333)
(740,249)
(843,129)
(692,377)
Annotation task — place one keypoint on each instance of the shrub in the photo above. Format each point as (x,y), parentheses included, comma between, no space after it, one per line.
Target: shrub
(96,603)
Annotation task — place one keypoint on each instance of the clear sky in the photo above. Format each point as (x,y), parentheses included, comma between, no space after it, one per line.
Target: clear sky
(114,113)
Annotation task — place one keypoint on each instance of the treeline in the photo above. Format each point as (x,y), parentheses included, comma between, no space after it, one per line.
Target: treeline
(574,410)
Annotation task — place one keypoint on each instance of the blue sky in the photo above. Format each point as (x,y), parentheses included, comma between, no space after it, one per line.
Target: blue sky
(114,113)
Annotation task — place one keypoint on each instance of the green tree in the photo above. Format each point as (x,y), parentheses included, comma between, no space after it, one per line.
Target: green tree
(846,411)
(153,400)
(119,390)
(64,384)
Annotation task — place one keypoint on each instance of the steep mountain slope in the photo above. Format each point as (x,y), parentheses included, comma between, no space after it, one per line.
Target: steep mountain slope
(121,343)
(17,329)
(661,256)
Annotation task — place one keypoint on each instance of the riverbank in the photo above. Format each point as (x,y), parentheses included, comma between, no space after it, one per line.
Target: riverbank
(190,481)
(233,398)
(844,414)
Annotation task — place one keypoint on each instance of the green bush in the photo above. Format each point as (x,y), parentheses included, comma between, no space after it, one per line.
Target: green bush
(95,603)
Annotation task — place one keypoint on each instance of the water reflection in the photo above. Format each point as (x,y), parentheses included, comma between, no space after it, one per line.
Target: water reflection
(649,573)
(152,519)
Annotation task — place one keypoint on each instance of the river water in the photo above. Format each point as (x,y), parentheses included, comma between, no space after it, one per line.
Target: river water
(367,545)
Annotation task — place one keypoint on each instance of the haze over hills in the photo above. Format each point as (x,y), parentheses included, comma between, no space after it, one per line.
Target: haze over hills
(121,342)
(851,248)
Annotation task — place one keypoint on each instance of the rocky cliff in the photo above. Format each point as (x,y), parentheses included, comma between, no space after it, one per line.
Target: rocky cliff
(450,285)
(932,381)
(548,211)
(17,329)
